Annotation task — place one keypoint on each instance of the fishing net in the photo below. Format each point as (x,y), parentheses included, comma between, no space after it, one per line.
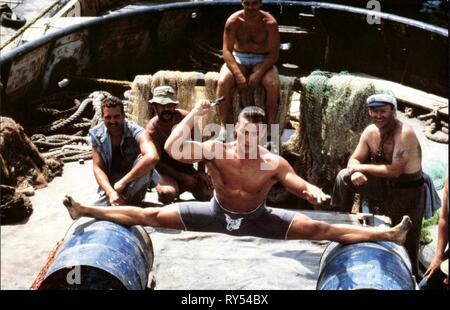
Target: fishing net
(211,79)
(22,169)
(243,98)
(137,100)
(182,82)
(425,233)
(185,83)
(437,170)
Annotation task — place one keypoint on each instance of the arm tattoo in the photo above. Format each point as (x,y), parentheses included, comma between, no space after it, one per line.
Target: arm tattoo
(399,155)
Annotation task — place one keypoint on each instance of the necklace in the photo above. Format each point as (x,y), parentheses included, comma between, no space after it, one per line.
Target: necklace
(387,136)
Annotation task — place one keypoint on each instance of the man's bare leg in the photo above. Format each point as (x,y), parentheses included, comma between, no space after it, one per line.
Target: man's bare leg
(306,228)
(271,84)
(225,87)
(167,217)
(167,189)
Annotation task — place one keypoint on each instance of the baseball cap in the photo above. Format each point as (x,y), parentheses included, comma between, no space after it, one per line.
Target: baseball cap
(379,100)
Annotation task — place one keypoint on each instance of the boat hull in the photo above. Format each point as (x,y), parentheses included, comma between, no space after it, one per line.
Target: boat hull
(188,36)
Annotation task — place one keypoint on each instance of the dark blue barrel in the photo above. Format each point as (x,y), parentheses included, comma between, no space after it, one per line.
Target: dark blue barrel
(379,265)
(101,255)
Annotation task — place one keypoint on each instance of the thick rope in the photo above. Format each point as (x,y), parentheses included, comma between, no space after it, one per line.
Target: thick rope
(54,127)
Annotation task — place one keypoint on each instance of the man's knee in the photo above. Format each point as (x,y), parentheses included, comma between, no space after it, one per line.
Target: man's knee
(342,198)
(203,194)
(307,228)
(270,82)
(225,80)
(150,217)
(319,229)
(342,177)
(167,194)
(166,198)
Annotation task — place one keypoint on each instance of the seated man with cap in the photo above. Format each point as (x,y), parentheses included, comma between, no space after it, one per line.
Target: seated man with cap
(176,177)
(386,168)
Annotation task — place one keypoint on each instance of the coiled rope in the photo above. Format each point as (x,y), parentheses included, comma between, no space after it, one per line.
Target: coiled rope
(53,139)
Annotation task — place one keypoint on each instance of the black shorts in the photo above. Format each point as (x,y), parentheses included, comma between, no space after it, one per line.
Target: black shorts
(263,222)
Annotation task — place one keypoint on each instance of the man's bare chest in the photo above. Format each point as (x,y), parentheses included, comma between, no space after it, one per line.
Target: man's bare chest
(115,142)
(248,176)
(254,34)
(381,150)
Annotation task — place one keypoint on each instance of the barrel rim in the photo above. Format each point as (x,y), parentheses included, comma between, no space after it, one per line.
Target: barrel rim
(46,282)
(80,241)
(340,249)
(137,280)
(87,224)
(376,244)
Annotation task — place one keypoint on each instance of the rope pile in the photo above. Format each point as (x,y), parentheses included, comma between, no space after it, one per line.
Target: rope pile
(432,126)
(65,147)
(65,137)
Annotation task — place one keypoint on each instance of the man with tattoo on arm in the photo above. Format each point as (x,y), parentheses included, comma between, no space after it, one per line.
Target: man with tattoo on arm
(386,167)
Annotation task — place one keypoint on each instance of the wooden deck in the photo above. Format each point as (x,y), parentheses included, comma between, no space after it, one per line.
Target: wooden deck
(26,246)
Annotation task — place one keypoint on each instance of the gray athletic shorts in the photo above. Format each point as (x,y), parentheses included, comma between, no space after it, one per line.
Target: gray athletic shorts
(210,216)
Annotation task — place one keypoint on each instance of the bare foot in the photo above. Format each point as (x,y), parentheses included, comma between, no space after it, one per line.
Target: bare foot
(73,207)
(400,231)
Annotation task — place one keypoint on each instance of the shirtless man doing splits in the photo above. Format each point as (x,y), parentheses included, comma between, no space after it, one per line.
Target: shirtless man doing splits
(242,173)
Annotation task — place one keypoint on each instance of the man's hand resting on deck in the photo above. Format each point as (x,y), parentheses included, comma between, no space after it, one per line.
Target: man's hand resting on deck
(434,266)
(315,196)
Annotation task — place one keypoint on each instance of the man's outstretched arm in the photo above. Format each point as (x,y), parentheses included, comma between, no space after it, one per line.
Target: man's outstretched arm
(298,186)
